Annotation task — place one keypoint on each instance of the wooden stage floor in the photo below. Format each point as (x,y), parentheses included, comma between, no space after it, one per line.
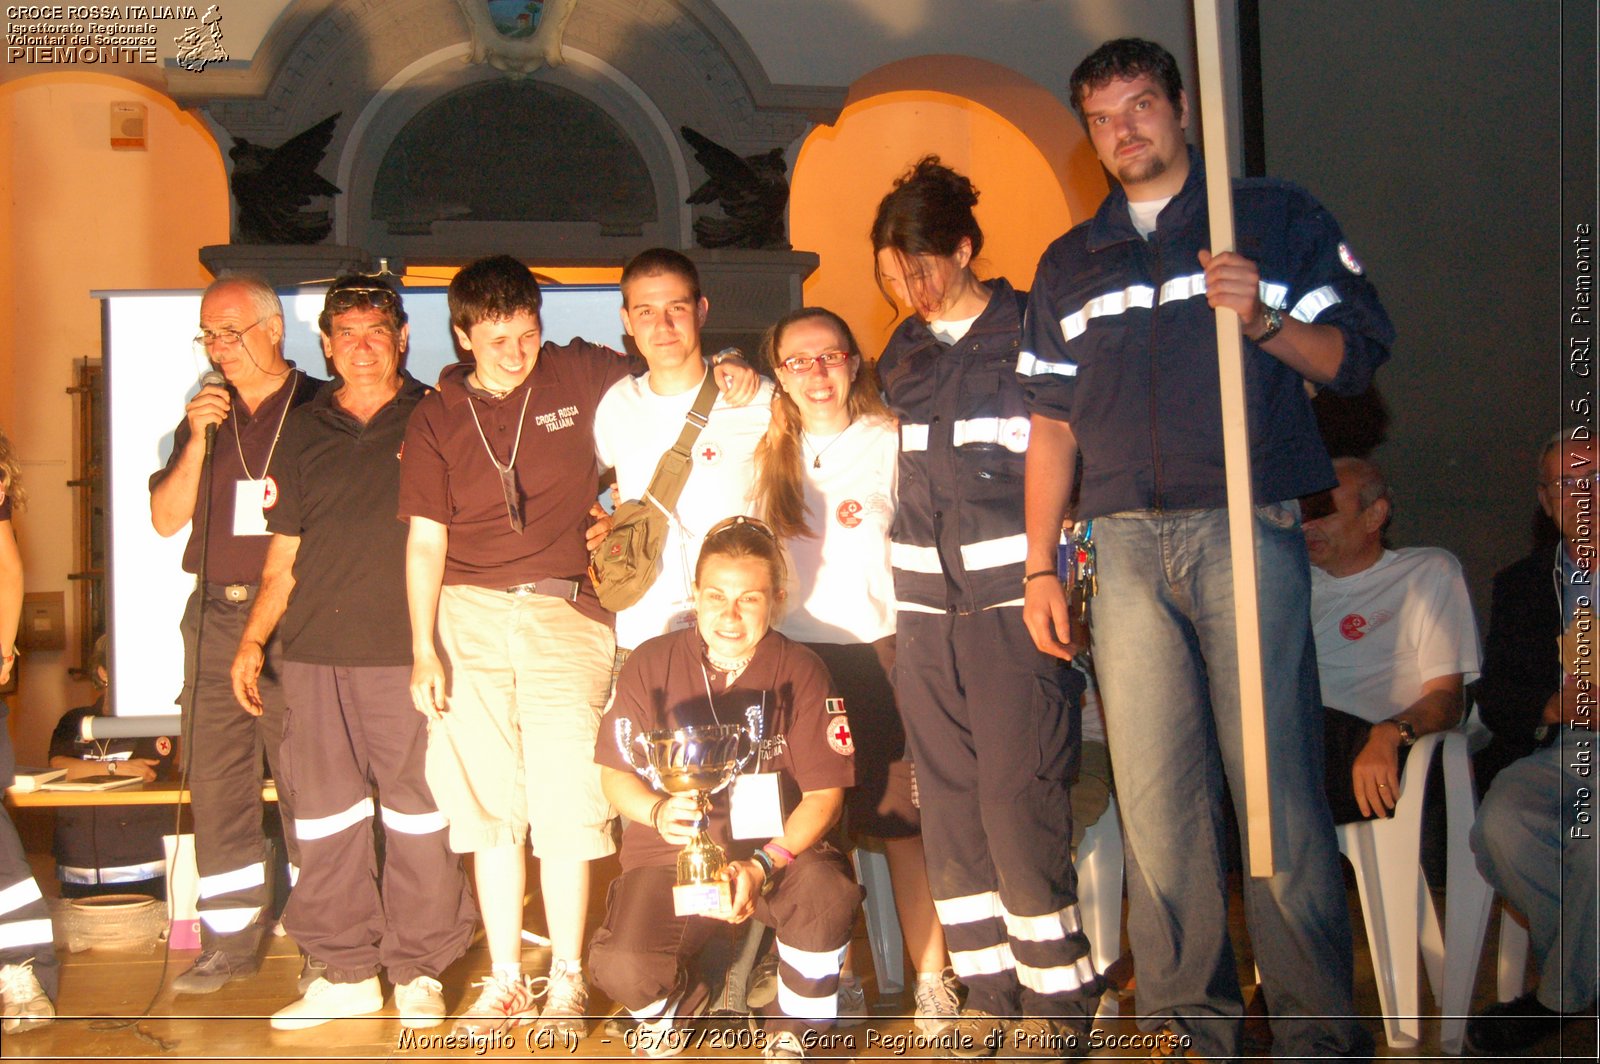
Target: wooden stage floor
(103,988)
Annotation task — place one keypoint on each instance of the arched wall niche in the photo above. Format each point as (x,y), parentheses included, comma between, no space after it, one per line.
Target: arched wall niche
(652,65)
(1036,111)
(433,80)
(1023,149)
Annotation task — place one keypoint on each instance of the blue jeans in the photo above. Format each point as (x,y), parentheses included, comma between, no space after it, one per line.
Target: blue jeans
(1165,657)
(1540,858)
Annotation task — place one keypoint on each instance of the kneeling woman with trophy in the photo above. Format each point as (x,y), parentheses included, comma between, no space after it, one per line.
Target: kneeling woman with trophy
(714,732)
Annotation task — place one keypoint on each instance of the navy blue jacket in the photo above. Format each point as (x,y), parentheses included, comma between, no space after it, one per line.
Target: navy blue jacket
(958,543)
(1121,344)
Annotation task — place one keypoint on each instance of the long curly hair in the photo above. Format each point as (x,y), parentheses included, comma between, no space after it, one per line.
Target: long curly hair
(11,474)
(780,475)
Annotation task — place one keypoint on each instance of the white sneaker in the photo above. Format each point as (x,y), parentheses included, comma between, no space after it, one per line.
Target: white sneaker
(23,1002)
(784,1045)
(566,1005)
(852,998)
(937,1005)
(326,1001)
(420,1003)
(503,1004)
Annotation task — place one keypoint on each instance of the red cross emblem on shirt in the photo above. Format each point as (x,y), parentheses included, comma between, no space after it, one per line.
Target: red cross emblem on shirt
(839,736)
(710,453)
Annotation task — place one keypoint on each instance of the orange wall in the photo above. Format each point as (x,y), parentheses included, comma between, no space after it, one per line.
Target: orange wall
(79,216)
(843,171)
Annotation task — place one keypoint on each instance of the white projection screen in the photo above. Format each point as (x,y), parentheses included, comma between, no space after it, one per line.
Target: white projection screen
(151,372)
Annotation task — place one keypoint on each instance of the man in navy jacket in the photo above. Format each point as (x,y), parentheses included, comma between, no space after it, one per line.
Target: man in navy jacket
(1119,361)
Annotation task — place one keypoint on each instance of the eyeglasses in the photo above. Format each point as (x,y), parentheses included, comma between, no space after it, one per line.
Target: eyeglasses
(803,363)
(359,297)
(224,338)
(728,524)
(1580,482)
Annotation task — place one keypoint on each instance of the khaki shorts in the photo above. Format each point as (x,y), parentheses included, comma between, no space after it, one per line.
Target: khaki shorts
(513,756)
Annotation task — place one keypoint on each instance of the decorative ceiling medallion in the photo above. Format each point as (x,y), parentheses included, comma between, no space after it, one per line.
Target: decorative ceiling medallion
(517,36)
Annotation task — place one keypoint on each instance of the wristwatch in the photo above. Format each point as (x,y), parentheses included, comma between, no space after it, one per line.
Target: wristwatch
(1408,734)
(1274,319)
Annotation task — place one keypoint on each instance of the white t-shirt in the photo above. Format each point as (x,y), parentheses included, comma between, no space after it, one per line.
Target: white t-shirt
(841,589)
(633,428)
(1143,214)
(1383,632)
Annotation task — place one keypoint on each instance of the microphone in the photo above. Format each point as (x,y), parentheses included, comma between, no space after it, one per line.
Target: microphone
(213,378)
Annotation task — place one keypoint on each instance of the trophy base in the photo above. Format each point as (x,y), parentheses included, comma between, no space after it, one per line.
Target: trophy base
(703,899)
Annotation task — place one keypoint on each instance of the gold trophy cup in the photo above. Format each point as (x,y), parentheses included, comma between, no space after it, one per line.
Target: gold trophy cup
(699,760)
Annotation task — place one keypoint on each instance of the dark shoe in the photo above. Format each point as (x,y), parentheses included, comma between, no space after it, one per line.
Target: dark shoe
(1047,1036)
(975,1035)
(1509,1027)
(311,970)
(212,970)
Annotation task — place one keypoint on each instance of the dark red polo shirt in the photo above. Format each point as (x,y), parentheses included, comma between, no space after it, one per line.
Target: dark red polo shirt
(448,476)
(235,559)
(662,686)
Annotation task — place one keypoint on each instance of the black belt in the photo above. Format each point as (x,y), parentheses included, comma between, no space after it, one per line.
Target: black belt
(551,586)
(232,592)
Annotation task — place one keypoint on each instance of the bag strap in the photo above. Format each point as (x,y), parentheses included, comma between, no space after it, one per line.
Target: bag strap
(672,472)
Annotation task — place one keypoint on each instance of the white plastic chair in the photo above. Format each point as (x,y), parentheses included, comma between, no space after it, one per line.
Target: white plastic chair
(1099,864)
(883,920)
(1398,908)
(1511,974)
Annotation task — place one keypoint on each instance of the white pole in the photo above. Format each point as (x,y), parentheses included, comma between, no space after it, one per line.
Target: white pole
(1236,446)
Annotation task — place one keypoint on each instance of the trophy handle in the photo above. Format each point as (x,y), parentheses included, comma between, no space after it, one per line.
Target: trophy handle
(625,745)
(753,733)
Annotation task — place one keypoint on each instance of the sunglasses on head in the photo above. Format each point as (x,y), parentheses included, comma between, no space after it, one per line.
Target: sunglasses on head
(729,524)
(358,297)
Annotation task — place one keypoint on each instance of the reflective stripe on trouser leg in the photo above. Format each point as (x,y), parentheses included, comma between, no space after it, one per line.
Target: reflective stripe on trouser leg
(813,908)
(346,726)
(224,753)
(995,738)
(25,931)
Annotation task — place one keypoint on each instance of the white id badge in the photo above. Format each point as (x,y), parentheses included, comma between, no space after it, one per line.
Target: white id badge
(755,810)
(249,496)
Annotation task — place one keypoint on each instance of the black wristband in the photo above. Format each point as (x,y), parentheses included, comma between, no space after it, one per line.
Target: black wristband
(769,869)
(1031,577)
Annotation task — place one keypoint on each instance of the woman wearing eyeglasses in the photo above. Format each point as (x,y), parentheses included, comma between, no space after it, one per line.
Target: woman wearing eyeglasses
(826,473)
(993,723)
(777,824)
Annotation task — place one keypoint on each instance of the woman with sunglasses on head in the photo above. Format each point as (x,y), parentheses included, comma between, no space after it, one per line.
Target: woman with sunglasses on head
(799,882)
(992,722)
(825,480)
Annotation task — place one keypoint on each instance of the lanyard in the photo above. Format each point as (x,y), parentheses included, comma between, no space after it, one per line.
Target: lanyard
(508,476)
(287,402)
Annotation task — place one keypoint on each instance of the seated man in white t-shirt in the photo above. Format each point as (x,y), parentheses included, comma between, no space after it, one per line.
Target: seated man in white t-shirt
(1396,642)
(640,418)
